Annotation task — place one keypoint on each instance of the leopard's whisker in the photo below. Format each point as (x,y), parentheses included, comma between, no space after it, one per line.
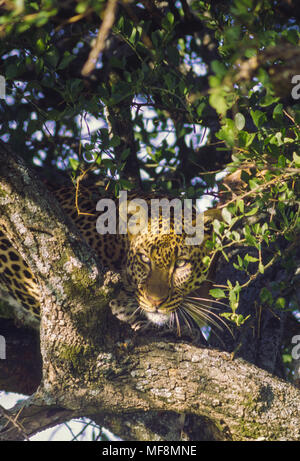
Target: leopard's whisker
(201,314)
(185,318)
(198,308)
(205,317)
(139,308)
(177,323)
(211,308)
(207,299)
(202,317)
(172,320)
(207,309)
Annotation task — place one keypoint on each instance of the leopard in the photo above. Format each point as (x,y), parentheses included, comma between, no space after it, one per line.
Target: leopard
(161,274)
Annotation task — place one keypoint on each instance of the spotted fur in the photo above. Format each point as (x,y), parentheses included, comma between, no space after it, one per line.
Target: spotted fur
(158,269)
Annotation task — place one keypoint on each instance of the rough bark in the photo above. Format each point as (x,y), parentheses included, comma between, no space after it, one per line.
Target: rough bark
(93,365)
(239,400)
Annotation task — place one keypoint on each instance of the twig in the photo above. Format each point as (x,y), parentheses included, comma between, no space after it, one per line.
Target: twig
(107,23)
(291,118)
(14,422)
(259,187)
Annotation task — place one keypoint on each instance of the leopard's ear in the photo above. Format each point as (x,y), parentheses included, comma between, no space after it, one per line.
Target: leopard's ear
(208,217)
(211,214)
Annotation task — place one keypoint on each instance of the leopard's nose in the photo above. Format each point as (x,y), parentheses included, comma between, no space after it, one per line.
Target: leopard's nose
(156,301)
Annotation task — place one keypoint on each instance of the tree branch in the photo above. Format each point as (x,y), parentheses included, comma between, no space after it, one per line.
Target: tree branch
(249,403)
(108,21)
(27,418)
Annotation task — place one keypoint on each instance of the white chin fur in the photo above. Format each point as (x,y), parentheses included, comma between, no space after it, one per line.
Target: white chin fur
(158,318)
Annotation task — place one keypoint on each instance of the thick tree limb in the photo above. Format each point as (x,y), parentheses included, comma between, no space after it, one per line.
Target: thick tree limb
(247,402)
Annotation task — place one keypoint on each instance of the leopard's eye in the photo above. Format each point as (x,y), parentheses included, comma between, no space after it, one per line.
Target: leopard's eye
(181,263)
(144,258)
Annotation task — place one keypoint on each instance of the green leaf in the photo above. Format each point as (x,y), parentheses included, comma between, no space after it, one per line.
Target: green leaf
(170,18)
(245,138)
(40,45)
(214,81)
(250,52)
(66,60)
(125,184)
(281,161)
(268,99)
(292,36)
(219,68)
(52,58)
(296,159)
(218,226)
(276,139)
(266,296)
(277,112)
(261,268)
(258,117)
(239,121)
(125,154)
(280,303)
(218,102)
(227,132)
(217,293)
(240,261)
(227,216)
(252,212)
(169,79)
(240,319)
(240,204)
(286,139)
(200,108)
(168,21)
(206,260)
(253,183)
(250,258)
(73,163)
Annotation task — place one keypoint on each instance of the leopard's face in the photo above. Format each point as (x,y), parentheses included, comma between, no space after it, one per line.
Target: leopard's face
(162,270)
